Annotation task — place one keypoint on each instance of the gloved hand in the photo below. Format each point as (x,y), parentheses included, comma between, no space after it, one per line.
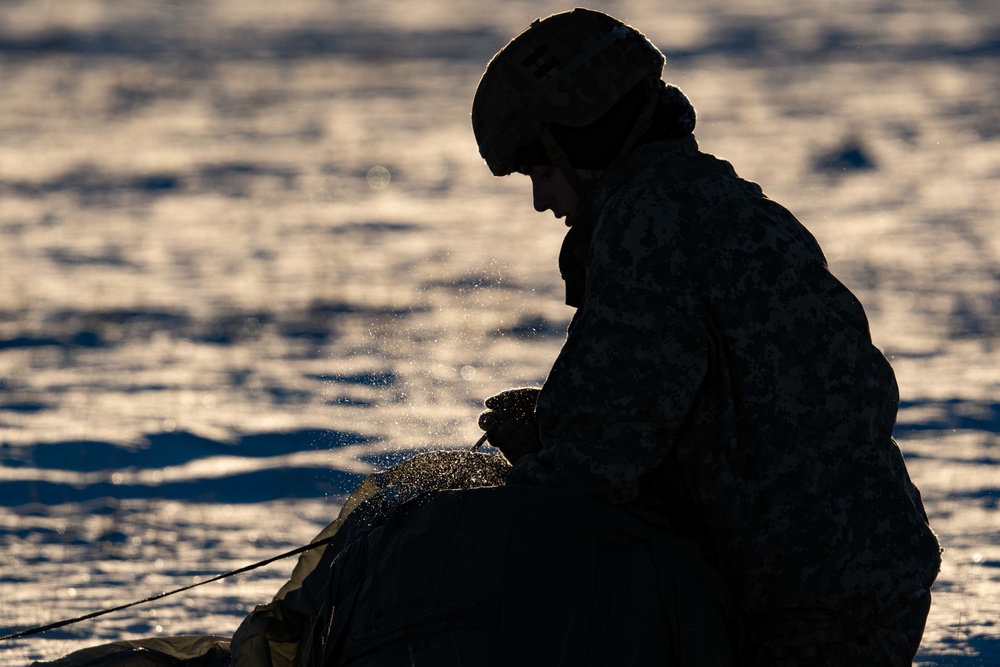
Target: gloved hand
(510,422)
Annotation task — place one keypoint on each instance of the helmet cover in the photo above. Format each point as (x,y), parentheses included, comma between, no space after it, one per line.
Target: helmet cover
(568,69)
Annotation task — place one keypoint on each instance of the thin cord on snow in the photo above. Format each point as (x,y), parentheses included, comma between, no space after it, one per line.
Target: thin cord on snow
(247,568)
(70,621)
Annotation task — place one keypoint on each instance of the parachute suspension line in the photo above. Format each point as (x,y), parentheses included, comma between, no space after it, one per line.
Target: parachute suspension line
(247,568)
(294,552)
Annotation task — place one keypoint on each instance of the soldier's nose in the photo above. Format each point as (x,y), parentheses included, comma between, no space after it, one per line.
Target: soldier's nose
(541,197)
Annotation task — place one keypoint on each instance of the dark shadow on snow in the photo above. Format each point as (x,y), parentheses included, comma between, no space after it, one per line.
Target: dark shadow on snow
(375,228)
(974,651)
(534,326)
(68,330)
(850,156)
(988,498)
(25,407)
(251,487)
(93,186)
(154,41)
(952,414)
(169,449)
(371,378)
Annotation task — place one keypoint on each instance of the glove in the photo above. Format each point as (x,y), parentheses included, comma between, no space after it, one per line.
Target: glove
(511,424)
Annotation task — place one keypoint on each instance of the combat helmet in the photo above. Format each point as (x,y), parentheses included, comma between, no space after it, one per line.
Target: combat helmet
(565,70)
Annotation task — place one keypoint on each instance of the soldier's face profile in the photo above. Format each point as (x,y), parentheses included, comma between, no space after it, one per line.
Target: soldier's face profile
(551,191)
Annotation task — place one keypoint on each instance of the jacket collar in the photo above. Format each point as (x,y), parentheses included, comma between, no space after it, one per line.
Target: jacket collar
(575,251)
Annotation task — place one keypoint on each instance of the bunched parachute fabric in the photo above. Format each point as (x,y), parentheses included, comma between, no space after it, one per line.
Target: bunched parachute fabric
(293,630)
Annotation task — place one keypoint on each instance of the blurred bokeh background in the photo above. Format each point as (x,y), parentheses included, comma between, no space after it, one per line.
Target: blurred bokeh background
(248,252)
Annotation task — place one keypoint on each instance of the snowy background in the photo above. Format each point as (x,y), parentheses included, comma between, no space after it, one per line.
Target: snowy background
(248,253)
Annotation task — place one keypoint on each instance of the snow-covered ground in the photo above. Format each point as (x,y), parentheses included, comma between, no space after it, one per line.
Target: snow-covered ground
(248,252)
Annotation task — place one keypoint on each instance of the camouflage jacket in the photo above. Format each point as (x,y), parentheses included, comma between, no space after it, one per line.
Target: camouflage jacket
(717,373)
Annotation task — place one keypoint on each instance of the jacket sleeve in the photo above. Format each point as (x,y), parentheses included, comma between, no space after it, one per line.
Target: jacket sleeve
(632,363)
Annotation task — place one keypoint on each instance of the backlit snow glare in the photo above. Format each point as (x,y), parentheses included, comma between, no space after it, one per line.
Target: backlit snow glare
(249,254)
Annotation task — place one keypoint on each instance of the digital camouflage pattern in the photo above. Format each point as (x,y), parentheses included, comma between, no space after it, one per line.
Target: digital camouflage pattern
(567,69)
(717,377)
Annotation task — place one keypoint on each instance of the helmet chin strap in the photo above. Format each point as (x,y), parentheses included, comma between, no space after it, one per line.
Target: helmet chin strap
(561,161)
(642,123)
